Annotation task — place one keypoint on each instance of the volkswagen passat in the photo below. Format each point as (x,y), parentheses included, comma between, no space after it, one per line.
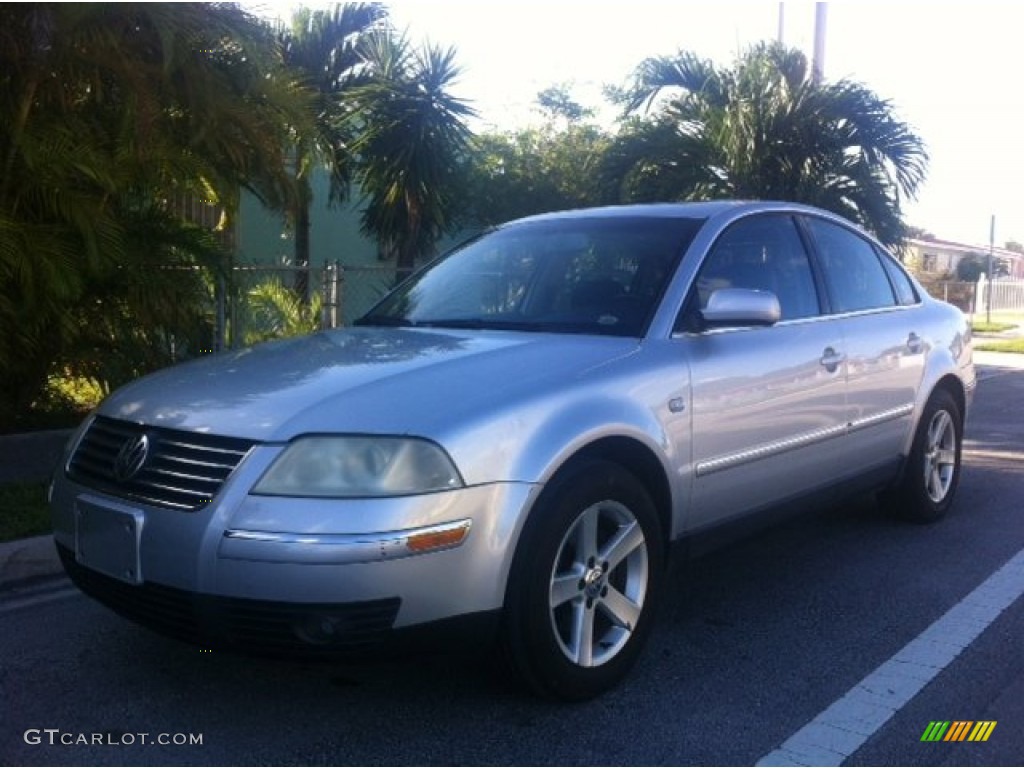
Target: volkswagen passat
(514,436)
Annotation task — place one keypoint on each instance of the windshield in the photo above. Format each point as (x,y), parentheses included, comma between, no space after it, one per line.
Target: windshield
(574,275)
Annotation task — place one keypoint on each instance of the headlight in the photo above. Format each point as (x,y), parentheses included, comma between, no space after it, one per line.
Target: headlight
(349,467)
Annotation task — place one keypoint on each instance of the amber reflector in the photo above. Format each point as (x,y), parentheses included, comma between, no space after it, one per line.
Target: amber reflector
(450,537)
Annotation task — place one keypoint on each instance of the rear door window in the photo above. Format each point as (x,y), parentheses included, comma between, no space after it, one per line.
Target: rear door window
(853,271)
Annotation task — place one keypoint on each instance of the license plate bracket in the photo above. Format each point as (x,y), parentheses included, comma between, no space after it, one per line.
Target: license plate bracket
(107,540)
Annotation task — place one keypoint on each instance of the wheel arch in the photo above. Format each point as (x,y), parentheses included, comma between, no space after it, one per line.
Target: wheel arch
(955,387)
(632,455)
(949,383)
(637,459)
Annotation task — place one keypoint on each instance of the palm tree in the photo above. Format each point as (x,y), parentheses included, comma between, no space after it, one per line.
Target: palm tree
(274,311)
(765,129)
(322,46)
(414,145)
(108,113)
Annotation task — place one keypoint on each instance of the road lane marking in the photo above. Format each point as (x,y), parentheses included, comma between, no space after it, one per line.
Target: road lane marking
(848,723)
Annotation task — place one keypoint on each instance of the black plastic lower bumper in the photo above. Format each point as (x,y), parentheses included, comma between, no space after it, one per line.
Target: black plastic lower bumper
(271,628)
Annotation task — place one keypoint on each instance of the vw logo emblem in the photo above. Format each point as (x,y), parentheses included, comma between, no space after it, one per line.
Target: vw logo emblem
(131,458)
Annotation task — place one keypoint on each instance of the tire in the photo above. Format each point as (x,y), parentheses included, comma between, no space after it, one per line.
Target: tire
(584,583)
(932,473)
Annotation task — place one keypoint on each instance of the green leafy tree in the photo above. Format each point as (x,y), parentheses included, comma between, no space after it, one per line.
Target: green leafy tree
(413,147)
(322,46)
(764,129)
(109,113)
(554,166)
(557,102)
(970,267)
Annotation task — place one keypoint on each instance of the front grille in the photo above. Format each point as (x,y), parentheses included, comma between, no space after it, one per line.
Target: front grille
(254,625)
(181,470)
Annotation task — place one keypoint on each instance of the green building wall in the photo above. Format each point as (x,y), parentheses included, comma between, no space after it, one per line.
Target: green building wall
(263,236)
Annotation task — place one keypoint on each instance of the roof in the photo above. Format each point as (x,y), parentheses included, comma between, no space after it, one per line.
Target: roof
(696,210)
(950,245)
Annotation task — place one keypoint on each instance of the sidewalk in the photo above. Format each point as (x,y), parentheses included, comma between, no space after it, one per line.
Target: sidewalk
(33,457)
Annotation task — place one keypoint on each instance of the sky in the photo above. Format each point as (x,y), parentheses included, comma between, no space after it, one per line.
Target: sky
(952,71)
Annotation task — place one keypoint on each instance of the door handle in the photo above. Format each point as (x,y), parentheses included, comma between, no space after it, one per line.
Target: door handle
(832,359)
(914,343)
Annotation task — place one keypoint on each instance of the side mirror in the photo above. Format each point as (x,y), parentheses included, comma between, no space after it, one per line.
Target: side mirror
(739,307)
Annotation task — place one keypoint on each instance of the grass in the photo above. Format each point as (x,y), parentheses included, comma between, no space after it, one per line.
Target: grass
(980,326)
(1011,316)
(1003,345)
(23,511)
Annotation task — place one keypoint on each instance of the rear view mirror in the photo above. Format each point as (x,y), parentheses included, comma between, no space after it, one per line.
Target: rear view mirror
(738,307)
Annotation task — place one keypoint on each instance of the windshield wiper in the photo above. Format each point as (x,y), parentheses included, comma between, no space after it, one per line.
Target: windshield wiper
(386,321)
(482,324)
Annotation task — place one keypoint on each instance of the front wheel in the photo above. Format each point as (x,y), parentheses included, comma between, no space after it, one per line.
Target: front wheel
(933,467)
(584,582)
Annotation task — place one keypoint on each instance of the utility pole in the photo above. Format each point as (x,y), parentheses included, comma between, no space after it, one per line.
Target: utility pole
(782,23)
(818,63)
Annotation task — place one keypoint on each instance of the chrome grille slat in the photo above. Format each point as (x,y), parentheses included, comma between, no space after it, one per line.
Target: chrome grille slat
(184,470)
(177,489)
(206,448)
(197,463)
(159,477)
(187,469)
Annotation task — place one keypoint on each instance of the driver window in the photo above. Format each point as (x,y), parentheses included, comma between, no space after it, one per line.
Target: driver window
(761,253)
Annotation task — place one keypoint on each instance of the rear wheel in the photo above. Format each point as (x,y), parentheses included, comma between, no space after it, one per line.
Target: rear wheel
(933,467)
(584,582)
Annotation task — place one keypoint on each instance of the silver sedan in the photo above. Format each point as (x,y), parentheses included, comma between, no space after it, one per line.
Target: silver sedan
(510,440)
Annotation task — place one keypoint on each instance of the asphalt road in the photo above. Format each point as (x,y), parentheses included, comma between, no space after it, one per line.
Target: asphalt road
(755,641)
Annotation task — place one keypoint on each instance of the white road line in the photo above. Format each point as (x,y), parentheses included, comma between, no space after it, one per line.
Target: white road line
(840,730)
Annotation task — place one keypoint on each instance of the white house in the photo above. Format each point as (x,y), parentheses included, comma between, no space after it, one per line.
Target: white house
(938,258)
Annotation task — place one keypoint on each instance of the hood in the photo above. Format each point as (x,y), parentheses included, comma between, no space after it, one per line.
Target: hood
(360,380)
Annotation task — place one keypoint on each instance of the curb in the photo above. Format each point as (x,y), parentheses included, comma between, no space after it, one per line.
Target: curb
(25,560)
(999,360)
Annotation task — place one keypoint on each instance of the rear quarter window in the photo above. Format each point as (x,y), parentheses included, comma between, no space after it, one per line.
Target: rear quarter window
(905,293)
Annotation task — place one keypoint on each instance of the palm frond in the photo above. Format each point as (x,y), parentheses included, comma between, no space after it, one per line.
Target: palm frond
(765,129)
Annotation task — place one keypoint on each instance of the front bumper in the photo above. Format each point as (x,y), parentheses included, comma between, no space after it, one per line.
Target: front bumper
(303,630)
(278,574)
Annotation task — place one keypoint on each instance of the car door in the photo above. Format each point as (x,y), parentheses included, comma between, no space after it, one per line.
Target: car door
(885,351)
(768,403)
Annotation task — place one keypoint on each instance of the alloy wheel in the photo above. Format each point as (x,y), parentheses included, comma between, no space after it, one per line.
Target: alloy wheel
(598,584)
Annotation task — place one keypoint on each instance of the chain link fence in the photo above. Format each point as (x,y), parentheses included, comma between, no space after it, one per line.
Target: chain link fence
(958,293)
(254,302)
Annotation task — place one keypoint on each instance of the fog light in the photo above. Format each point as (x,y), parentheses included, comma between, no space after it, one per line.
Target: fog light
(439,537)
(321,629)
